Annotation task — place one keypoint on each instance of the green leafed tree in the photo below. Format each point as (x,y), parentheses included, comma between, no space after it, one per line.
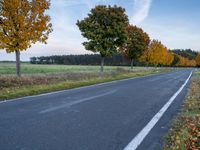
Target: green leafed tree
(22,23)
(104,28)
(137,42)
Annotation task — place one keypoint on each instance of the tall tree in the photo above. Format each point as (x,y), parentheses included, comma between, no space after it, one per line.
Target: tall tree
(22,23)
(137,42)
(104,29)
(198,60)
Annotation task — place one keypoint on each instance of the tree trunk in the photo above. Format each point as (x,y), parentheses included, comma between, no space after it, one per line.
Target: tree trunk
(132,64)
(102,64)
(18,67)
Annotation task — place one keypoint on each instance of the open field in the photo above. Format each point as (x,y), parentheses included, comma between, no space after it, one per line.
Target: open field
(185,130)
(9,68)
(39,79)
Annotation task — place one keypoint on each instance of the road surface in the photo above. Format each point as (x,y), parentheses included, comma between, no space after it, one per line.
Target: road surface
(100,117)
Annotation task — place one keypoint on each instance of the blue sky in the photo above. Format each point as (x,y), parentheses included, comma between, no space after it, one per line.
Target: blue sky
(174,22)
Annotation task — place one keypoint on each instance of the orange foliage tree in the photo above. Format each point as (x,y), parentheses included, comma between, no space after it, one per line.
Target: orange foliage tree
(192,63)
(22,23)
(157,54)
(137,42)
(198,60)
(185,62)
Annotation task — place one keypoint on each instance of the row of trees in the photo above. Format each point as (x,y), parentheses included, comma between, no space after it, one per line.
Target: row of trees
(88,59)
(148,59)
(108,31)
(157,54)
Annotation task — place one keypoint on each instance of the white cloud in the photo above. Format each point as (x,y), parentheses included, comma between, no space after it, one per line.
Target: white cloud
(141,11)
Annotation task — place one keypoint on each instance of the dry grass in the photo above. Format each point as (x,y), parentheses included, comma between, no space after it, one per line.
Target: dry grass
(13,81)
(185,131)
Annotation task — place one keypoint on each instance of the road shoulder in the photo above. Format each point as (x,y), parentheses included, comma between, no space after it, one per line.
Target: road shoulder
(185,130)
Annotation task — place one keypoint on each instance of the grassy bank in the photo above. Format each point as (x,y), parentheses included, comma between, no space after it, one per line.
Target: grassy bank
(12,87)
(185,131)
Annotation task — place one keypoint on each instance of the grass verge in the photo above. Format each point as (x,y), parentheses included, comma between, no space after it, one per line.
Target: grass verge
(185,130)
(12,87)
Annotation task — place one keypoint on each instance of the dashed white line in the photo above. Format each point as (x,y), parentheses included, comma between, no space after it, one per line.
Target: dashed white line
(76,102)
(145,131)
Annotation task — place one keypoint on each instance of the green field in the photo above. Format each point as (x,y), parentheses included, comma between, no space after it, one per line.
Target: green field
(9,68)
(26,68)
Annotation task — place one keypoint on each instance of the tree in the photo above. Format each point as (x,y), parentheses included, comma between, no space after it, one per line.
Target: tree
(183,62)
(104,29)
(157,54)
(169,58)
(176,59)
(198,60)
(22,23)
(137,42)
(192,63)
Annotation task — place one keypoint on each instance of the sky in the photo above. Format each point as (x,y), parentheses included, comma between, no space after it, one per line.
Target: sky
(176,23)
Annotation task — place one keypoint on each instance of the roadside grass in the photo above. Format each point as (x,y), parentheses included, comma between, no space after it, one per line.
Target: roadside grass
(33,84)
(185,130)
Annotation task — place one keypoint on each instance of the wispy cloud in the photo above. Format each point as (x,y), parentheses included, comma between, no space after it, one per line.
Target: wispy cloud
(141,10)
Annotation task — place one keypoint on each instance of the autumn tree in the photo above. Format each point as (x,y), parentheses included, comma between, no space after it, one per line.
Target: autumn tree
(192,63)
(145,57)
(104,28)
(22,23)
(169,58)
(198,60)
(183,61)
(137,42)
(157,54)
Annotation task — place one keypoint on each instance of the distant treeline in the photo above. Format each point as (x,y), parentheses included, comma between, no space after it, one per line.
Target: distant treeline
(187,53)
(87,59)
(95,59)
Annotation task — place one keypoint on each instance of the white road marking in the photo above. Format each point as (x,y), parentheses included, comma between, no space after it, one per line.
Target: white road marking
(137,140)
(76,102)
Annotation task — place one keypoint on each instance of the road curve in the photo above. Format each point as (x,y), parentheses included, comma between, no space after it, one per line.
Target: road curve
(100,117)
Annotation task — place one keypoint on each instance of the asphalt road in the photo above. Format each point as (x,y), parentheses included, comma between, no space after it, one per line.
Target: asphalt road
(100,117)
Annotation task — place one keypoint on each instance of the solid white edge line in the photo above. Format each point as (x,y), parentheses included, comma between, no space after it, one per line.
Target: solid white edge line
(137,140)
(78,88)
